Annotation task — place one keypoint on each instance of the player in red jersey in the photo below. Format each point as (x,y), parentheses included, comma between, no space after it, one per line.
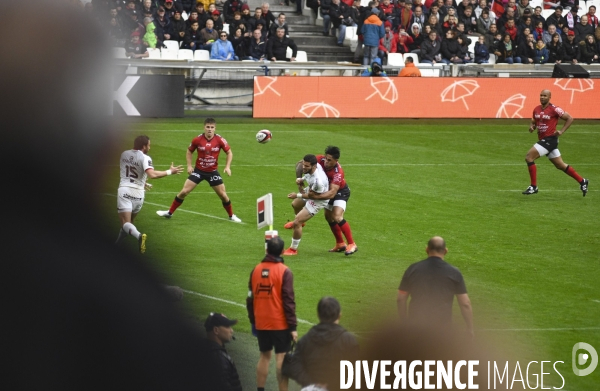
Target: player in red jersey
(208,145)
(545,119)
(338,195)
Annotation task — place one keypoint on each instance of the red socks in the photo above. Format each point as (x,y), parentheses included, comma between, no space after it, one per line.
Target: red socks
(228,208)
(570,171)
(337,232)
(176,203)
(345,227)
(532,173)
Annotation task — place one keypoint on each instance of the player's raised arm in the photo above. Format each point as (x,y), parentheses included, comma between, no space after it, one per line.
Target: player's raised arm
(153,174)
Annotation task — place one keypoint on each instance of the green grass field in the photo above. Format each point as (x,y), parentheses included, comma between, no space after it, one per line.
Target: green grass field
(531,263)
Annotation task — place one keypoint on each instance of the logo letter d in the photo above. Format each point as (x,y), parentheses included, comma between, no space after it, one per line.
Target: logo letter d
(594,355)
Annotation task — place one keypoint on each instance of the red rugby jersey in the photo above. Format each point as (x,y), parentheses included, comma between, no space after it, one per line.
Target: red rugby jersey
(546,119)
(208,151)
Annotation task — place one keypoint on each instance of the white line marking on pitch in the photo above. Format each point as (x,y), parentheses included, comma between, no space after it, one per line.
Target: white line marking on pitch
(183,210)
(597,301)
(236,304)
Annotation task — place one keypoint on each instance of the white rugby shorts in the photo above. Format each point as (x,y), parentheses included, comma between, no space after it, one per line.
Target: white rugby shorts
(129,199)
(340,203)
(543,151)
(314,206)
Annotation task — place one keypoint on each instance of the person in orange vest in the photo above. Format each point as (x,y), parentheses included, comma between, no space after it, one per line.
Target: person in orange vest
(272,311)
(409,68)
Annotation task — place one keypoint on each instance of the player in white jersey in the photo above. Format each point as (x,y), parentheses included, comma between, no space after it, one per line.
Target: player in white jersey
(305,208)
(136,168)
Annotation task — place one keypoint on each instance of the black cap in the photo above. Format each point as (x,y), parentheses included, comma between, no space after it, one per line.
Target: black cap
(215,320)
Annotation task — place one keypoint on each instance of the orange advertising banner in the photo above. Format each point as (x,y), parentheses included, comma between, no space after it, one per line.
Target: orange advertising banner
(416,97)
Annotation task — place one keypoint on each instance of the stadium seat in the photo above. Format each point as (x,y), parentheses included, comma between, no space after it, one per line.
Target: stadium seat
(301,56)
(185,54)
(201,55)
(166,54)
(350,35)
(288,52)
(492,58)
(119,53)
(546,13)
(395,59)
(171,45)
(413,55)
(153,53)
(472,46)
(226,28)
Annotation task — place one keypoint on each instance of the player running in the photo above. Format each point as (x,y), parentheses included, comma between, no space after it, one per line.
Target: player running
(136,168)
(545,118)
(337,195)
(317,184)
(208,145)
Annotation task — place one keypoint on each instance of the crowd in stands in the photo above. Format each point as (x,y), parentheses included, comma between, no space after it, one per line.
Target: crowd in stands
(441,31)
(438,31)
(231,33)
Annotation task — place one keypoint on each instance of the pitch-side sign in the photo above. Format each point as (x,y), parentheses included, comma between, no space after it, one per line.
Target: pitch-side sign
(148,96)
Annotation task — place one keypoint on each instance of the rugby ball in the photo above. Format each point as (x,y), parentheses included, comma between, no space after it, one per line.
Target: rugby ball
(263,136)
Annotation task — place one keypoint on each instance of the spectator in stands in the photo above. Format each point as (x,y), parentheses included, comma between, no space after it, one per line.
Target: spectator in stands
(556,51)
(464,43)
(202,15)
(526,50)
(386,10)
(588,50)
(592,18)
(257,15)
(571,49)
(372,30)
(430,49)
(409,70)
(134,24)
(538,17)
(277,47)
(209,35)
(404,16)
(490,36)
(325,7)
(538,31)
(526,22)
(246,17)
(192,38)
(237,41)
(418,17)
(355,13)
(571,19)
(547,35)
(375,70)
(469,20)
(217,22)
(164,27)
(267,16)
(435,25)
(256,48)
(403,40)
(449,24)
(171,6)
(116,33)
(187,5)
(147,7)
(236,24)
(522,37)
(505,51)
(417,39)
(541,53)
(260,25)
(482,53)
(583,28)
(450,49)
(149,39)
(511,29)
(563,33)
(279,23)
(556,19)
(230,8)
(523,5)
(484,22)
(135,48)
(509,14)
(178,27)
(387,44)
(194,18)
(222,49)
(511,4)
(339,13)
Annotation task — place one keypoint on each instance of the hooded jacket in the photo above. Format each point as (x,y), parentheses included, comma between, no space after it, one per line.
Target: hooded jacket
(372,30)
(150,37)
(320,352)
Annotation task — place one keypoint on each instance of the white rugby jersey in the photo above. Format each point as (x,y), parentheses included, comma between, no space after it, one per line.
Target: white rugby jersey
(133,169)
(318,182)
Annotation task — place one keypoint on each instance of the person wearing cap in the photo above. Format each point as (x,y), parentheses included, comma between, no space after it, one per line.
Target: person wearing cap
(387,44)
(134,48)
(372,31)
(375,70)
(571,49)
(271,310)
(246,17)
(216,19)
(433,307)
(170,8)
(319,352)
(219,332)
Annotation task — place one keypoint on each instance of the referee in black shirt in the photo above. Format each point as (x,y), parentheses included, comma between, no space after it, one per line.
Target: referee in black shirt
(432,284)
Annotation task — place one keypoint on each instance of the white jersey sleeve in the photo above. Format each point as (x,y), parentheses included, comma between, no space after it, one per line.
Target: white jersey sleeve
(133,169)
(318,182)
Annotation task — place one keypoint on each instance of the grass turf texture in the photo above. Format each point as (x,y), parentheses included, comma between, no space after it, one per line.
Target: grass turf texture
(530,262)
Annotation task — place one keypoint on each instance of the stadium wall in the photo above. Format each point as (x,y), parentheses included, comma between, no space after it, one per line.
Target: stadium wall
(410,97)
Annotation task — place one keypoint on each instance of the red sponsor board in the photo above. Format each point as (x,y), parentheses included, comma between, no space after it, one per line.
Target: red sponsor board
(415,97)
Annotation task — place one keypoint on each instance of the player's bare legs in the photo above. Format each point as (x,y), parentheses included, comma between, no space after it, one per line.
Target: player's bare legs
(188,186)
(298,205)
(127,228)
(220,190)
(282,380)
(530,158)
(262,369)
(301,218)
